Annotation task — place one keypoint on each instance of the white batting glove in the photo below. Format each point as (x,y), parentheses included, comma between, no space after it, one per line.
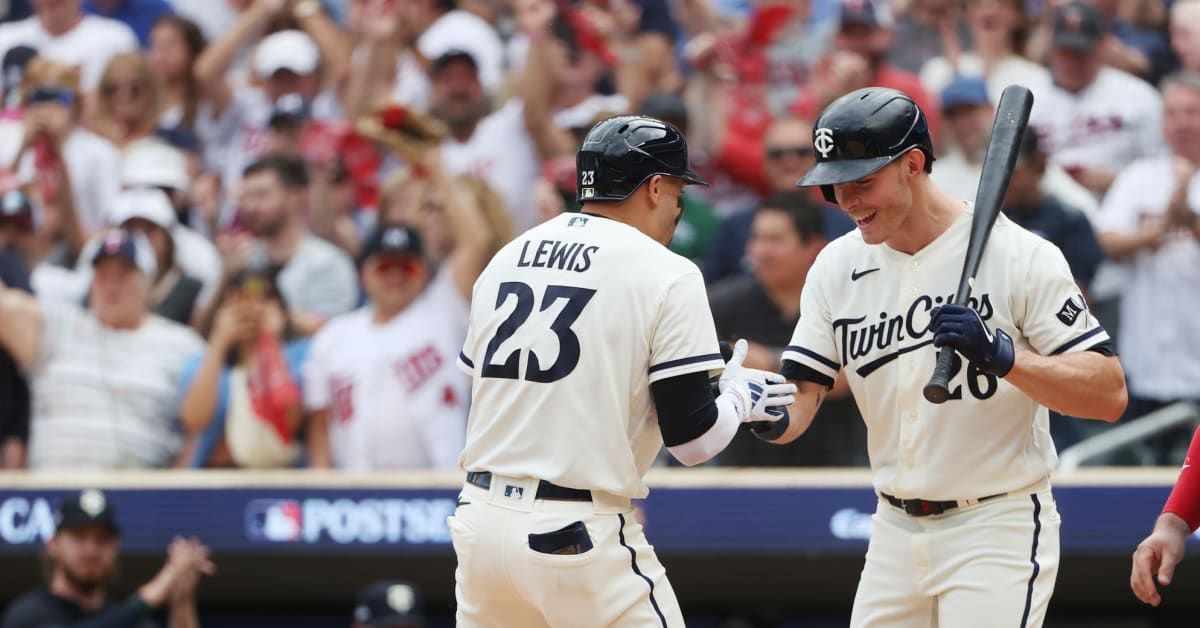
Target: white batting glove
(756,395)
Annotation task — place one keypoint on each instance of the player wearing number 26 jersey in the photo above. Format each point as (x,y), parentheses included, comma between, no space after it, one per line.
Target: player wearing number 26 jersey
(966,530)
(591,345)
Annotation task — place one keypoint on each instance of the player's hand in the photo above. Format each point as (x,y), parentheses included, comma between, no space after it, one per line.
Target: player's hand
(1155,558)
(960,327)
(759,394)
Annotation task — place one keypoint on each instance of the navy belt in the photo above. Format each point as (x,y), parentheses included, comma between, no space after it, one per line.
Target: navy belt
(925,508)
(545,490)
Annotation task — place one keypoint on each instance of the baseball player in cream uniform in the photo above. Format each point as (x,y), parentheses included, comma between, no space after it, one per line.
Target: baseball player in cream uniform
(590,346)
(966,531)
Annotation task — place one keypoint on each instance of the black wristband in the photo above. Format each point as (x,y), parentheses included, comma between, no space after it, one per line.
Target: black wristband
(770,430)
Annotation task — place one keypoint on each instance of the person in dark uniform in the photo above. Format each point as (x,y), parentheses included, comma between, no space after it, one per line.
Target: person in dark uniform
(787,232)
(82,557)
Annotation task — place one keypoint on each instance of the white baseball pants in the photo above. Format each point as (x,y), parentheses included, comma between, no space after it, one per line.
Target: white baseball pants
(992,564)
(501,581)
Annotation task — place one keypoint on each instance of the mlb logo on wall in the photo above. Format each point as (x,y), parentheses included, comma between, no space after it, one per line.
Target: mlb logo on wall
(274,520)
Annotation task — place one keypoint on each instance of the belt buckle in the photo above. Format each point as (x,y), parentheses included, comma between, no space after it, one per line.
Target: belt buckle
(922,508)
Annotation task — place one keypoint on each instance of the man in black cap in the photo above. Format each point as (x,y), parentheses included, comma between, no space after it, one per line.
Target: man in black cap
(388,604)
(1094,119)
(82,556)
(385,373)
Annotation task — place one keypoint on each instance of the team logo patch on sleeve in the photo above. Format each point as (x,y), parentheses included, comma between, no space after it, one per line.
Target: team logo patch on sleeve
(1071,310)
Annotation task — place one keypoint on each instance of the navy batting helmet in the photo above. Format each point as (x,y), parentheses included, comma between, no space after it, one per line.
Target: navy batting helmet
(862,132)
(620,153)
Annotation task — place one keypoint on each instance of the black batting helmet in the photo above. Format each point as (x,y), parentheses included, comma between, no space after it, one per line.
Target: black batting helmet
(620,153)
(862,132)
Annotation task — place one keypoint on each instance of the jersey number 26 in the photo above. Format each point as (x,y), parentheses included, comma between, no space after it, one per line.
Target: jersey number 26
(568,342)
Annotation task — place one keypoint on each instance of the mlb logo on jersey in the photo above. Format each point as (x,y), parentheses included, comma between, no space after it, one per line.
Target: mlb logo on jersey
(578,221)
(513,492)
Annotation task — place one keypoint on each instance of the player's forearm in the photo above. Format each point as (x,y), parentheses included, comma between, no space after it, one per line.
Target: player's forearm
(809,396)
(1183,505)
(1084,384)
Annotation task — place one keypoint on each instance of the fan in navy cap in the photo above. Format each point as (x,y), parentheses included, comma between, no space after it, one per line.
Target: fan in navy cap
(388,604)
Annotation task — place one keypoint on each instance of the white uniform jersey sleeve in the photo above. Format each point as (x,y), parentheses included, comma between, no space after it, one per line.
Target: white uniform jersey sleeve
(685,337)
(813,346)
(1055,318)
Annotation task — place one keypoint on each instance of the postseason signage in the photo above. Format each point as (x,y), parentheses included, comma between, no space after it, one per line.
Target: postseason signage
(802,520)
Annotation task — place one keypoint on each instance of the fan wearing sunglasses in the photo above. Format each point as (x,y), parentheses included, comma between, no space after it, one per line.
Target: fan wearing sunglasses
(130,100)
(73,165)
(380,382)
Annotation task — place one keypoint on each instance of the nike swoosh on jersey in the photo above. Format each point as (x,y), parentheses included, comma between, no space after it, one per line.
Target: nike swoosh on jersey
(854,274)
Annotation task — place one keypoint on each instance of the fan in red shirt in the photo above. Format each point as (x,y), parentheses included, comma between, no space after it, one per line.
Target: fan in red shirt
(1155,559)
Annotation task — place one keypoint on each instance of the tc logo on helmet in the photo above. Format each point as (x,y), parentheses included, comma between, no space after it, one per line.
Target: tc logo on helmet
(823,142)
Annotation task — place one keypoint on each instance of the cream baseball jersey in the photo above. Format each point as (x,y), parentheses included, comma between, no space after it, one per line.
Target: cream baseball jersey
(569,325)
(866,309)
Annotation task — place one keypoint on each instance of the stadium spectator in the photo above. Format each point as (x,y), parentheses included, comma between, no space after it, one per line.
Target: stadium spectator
(54,137)
(139,15)
(1094,119)
(129,102)
(175,43)
(380,382)
(495,145)
(786,154)
(1142,52)
(999,29)
(928,29)
(60,31)
(968,115)
(151,164)
(241,402)
(82,557)
(432,221)
(174,294)
(1185,33)
(1148,223)
(12,128)
(316,278)
(388,604)
(858,59)
(14,390)
(1029,205)
(233,119)
(103,380)
(786,236)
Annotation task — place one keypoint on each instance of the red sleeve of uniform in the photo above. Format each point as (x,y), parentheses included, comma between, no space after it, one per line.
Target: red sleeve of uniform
(1184,501)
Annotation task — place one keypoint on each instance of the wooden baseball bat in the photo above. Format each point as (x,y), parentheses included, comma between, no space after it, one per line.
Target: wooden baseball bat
(1012,116)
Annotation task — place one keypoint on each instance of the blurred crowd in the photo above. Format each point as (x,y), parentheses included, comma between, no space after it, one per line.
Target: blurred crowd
(244,233)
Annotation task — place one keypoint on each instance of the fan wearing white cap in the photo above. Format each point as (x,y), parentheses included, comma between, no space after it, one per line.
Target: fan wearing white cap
(154,164)
(232,119)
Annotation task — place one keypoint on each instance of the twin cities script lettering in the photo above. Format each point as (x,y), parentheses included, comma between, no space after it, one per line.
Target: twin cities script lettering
(859,338)
(574,256)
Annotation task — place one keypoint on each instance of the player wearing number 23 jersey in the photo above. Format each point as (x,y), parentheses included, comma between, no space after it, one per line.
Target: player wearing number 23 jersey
(966,530)
(591,345)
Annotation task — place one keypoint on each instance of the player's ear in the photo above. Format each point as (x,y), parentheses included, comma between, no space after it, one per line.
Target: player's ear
(655,187)
(914,162)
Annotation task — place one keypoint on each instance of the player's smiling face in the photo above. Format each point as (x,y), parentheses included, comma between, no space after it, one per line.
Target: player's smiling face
(879,204)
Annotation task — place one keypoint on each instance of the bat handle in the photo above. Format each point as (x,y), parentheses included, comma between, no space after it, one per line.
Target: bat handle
(938,388)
